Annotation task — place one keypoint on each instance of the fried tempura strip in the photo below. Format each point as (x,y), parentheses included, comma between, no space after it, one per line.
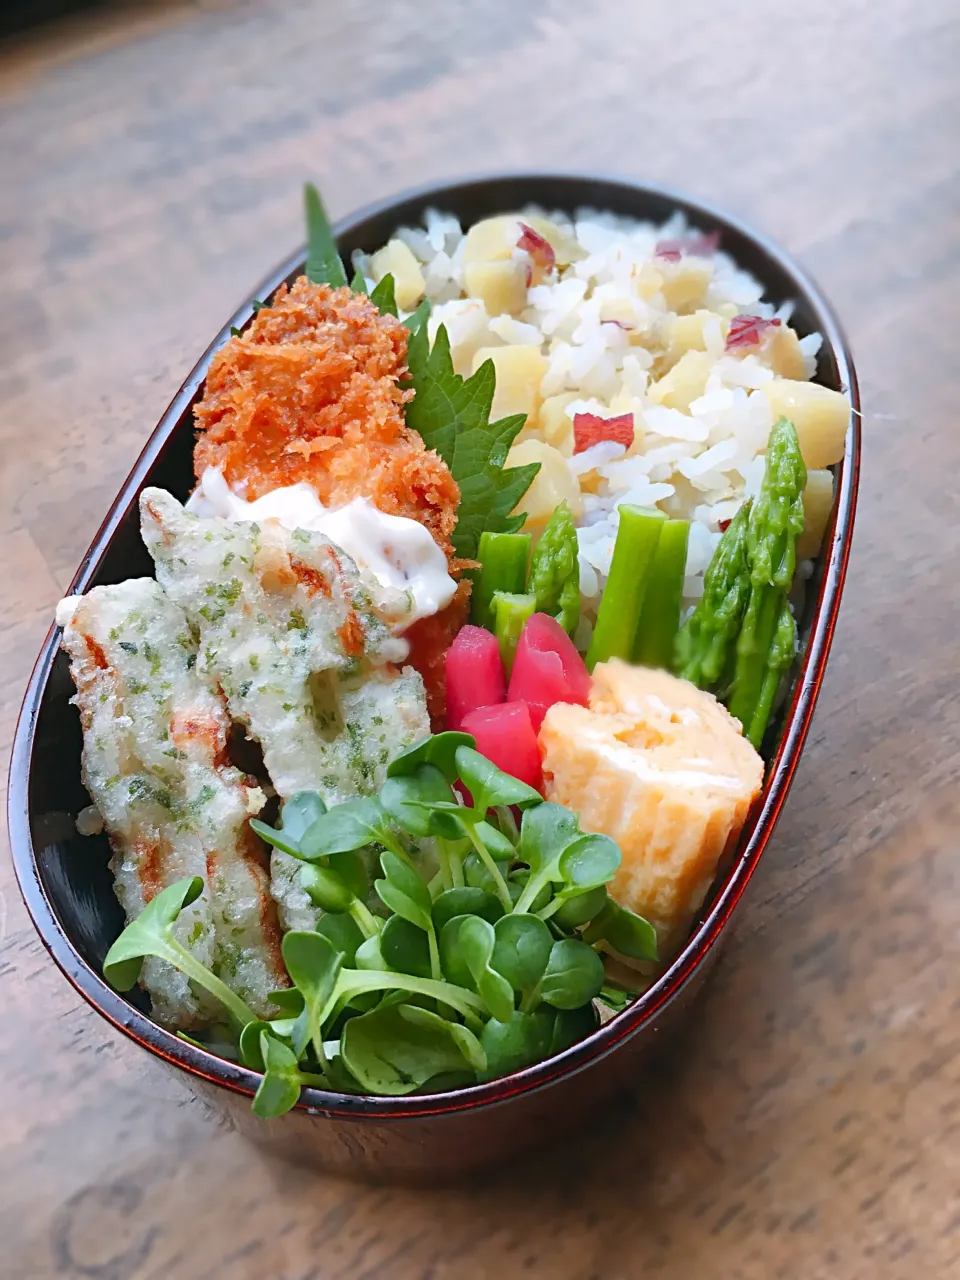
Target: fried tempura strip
(287,631)
(278,613)
(154,762)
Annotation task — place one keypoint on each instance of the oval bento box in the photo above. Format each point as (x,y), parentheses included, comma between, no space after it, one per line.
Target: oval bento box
(67,885)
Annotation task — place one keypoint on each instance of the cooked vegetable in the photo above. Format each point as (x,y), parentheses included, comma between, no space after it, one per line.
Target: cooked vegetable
(618,618)
(552,485)
(767,640)
(590,428)
(547,669)
(817,506)
(501,286)
(705,645)
(156,765)
(396,259)
(555,424)
(540,250)
(519,371)
(505,735)
(491,240)
(503,567)
(662,768)
(660,616)
(474,674)
(821,417)
(555,570)
(510,614)
(504,988)
(687,380)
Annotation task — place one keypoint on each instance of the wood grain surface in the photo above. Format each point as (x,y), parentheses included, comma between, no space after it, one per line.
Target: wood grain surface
(806,1124)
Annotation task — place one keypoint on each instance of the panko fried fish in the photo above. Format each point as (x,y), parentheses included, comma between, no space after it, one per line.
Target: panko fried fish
(311,391)
(154,762)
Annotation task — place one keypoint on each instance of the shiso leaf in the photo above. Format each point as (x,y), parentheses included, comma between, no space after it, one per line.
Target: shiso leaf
(452,415)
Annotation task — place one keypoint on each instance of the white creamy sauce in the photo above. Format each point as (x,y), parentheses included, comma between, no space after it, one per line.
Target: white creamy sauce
(397,553)
(66,609)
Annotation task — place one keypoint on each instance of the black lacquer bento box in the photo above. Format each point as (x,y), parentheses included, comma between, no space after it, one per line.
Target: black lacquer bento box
(64,877)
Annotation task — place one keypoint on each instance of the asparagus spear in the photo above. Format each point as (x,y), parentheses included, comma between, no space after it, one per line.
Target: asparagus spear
(555,570)
(661,604)
(510,613)
(503,567)
(622,601)
(767,639)
(706,642)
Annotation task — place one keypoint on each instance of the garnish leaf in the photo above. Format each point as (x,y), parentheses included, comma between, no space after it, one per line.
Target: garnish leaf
(439,749)
(452,415)
(151,934)
(398,1048)
(323,261)
(574,974)
(383,297)
(280,1087)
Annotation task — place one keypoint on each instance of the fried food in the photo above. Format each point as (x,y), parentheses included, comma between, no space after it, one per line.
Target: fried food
(429,639)
(311,392)
(288,633)
(155,764)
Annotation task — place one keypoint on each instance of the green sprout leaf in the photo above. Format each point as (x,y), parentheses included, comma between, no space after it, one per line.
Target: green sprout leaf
(251,1054)
(465,901)
(404,947)
(476,940)
(576,909)
(440,750)
(298,813)
(404,892)
(574,975)
(326,889)
(521,951)
(407,799)
(287,998)
(314,965)
(626,932)
(544,834)
(396,1049)
(280,1087)
(347,827)
(571,1026)
(343,933)
(151,934)
(589,862)
(490,786)
(516,1042)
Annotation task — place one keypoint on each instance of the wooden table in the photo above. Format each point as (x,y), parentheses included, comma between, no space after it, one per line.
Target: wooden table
(806,1125)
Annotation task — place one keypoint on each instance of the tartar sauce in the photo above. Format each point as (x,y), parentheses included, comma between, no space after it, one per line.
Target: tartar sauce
(397,552)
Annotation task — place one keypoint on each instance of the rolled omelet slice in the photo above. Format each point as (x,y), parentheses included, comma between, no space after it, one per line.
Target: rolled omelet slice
(662,768)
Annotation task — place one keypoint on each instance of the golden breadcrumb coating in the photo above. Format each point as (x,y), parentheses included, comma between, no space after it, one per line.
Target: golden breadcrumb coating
(311,392)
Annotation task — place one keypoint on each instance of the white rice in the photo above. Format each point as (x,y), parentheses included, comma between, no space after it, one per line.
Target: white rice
(697,462)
